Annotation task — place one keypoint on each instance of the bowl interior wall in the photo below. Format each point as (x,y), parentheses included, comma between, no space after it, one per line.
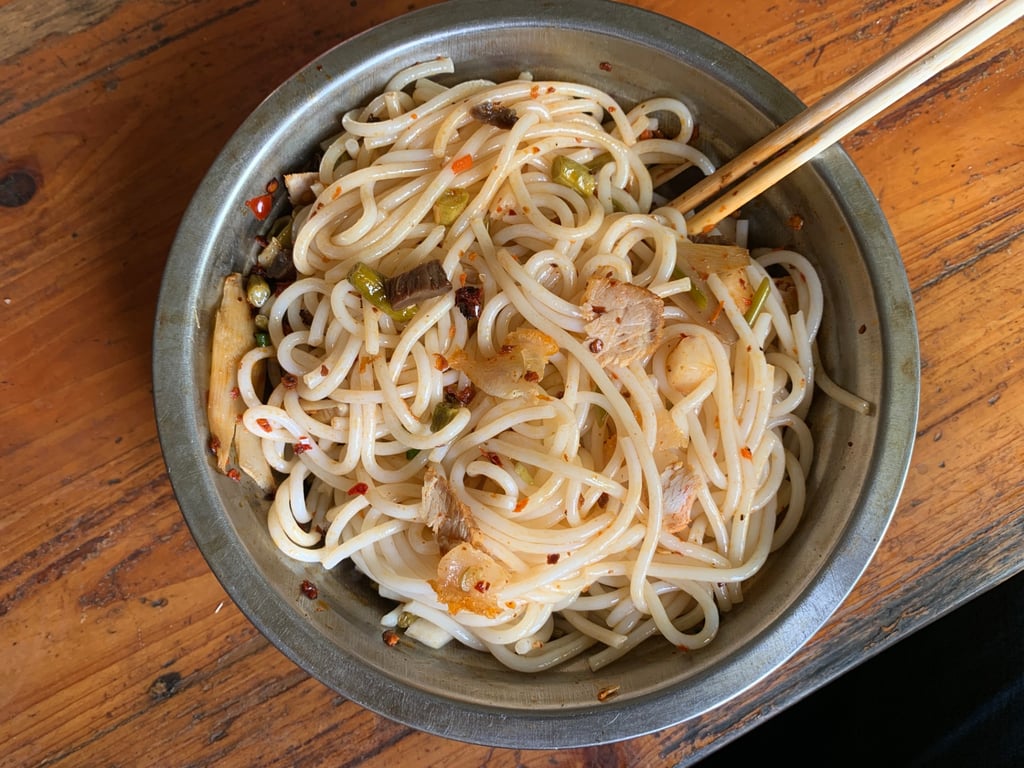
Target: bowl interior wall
(337,636)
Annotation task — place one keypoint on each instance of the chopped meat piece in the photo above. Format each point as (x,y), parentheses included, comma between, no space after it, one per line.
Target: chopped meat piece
(790,296)
(300,187)
(670,444)
(704,239)
(449,518)
(424,281)
(679,488)
(494,114)
(626,320)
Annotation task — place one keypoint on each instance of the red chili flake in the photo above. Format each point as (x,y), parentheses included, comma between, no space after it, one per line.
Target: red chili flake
(862,329)
(521,504)
(745,453)
(596,345)
(390,638)
(606,693)
(531,376)
(359,489)
(234,474)
(308,589)
(301,447)
(482,586)
(463,163)
(272,186)
(492,457)
(214,445)
(440,362)
(235,394)
(717,312)
(553,558)
(602,500)
(598,310)
(324,370)
(463,396)
(264,425)
(605,66)
(289,381)
(469,301)
(260,206)
(795,222)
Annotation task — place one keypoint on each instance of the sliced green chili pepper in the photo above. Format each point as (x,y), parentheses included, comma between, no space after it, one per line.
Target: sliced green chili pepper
(599,162)
(698,297)
(370,283)
(257,290)
(573,175)
(282,231)
(443,413)
(758,301)
(449,205)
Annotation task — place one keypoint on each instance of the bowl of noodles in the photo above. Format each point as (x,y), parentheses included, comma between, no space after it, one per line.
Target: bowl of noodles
(475,431)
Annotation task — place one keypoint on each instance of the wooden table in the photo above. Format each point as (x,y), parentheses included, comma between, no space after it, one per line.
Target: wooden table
(121,648)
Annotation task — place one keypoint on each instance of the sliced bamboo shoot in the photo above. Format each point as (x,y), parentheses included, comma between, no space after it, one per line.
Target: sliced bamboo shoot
(232,337)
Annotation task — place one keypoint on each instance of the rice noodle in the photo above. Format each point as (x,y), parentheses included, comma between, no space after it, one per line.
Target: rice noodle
(565,485)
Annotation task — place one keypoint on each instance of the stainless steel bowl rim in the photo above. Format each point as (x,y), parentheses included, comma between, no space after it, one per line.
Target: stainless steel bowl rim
(181,420)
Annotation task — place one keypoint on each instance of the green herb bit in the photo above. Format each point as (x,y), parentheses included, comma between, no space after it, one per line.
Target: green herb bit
(282,231)
(443,413)
(699,298)
(449,205)
(262,338)
(758,301)
(370,283)
(569,173)
(524,473)
(412,453)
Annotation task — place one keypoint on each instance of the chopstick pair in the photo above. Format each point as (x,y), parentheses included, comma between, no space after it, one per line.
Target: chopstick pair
(895,75)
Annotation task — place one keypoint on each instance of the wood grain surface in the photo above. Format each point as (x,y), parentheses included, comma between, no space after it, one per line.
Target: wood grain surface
(121,648)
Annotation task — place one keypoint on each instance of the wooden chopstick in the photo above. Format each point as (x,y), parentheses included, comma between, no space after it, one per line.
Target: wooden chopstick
(895,75)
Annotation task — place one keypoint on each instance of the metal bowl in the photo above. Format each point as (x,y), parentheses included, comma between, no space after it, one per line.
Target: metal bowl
(868,343)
